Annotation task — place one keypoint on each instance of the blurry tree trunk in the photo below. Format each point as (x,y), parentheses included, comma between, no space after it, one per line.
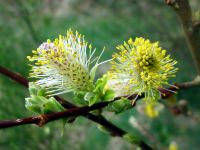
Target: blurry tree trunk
(191,28)
(23,11)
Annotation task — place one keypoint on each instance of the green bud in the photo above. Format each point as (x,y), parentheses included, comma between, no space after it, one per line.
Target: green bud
(120,105)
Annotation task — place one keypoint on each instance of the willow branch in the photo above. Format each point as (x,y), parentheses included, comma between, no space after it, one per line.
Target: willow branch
(45,118)
(40,120)
(73,112)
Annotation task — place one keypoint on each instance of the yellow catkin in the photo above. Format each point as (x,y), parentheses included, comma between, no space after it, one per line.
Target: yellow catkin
(142,66)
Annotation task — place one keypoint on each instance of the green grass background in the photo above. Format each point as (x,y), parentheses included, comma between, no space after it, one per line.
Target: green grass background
(104,23)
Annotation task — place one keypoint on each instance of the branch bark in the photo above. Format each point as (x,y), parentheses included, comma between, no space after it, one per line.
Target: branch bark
(45,118)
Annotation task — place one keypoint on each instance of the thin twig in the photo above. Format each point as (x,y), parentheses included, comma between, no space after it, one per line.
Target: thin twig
(45,118)
(193,83)
(14,76)
(74,112)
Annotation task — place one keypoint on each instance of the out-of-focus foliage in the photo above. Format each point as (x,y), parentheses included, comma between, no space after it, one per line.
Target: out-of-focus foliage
(26,24)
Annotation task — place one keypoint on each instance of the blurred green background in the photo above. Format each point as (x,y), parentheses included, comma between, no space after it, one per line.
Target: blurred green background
(25,24)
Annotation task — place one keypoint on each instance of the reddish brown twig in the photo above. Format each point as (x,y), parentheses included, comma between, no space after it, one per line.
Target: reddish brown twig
(74,112)
(18,122)
(45,118)
(14,76)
